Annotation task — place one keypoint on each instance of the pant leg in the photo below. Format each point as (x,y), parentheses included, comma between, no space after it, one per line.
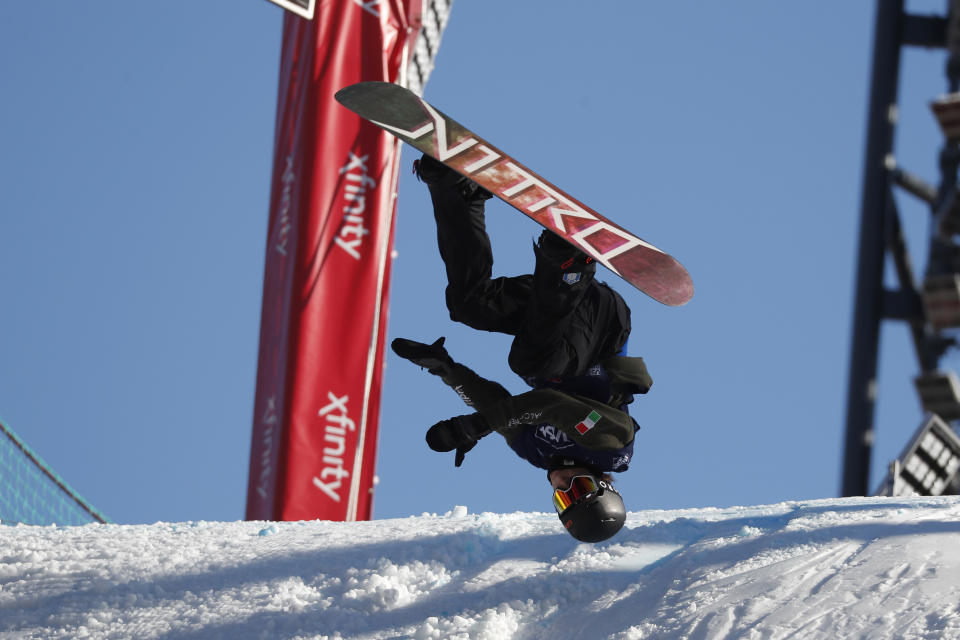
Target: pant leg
(589,423)
(473,296)
(477,392)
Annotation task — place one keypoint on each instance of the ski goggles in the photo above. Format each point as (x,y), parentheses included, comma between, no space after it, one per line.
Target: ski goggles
(581,488)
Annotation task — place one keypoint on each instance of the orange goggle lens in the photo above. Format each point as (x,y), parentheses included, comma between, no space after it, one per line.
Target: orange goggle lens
(580,487)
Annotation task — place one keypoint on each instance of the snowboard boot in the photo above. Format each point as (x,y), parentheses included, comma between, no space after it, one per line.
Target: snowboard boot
(435,174)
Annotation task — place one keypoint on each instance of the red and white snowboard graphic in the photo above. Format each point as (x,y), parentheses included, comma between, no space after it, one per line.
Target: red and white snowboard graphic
(416,122)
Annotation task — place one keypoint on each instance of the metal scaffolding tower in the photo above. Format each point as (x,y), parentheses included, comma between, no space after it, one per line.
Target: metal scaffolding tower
(932,309)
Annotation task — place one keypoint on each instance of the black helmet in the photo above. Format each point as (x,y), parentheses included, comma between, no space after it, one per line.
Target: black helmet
(559,261)
(590,509)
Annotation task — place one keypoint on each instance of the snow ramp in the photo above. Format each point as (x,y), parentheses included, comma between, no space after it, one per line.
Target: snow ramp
(845,568)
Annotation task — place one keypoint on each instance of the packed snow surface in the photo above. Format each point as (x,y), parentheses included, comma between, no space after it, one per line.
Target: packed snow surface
(851,568)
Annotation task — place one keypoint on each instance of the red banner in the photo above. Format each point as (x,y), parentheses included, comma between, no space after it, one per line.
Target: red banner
(327,268)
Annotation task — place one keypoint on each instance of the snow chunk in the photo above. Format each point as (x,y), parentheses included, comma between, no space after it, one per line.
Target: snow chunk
(388,585)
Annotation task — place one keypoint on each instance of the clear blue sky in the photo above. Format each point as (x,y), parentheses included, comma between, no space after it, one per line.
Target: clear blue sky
(135,157)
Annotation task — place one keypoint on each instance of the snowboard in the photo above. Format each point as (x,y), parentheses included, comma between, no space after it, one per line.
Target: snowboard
(413,120)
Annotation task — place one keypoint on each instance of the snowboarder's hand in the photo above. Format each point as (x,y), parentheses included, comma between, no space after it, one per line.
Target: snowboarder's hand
(459,432)
(433,357)
(462,452)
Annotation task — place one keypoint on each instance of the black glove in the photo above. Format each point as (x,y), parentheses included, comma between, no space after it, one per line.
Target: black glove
(431,356)
(461,452)
(459,433)
(476,392)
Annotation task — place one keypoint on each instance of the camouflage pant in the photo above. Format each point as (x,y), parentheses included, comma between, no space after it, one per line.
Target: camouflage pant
(588,422)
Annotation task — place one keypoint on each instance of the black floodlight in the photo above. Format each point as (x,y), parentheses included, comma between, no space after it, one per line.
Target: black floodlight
(946,109)
(929,464)
(939,393)
(941,300)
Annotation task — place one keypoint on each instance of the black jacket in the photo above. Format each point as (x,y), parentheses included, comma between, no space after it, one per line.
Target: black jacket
(559,330)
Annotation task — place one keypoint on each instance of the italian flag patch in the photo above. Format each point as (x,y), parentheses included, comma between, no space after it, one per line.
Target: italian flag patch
(588,422)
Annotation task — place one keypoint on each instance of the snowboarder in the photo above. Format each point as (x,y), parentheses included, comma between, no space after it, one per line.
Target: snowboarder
(570,334)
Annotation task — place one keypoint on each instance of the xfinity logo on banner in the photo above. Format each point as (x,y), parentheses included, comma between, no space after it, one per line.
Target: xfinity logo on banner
(286,198)
(270,419)
(303,8)
(350,238)
(334,432)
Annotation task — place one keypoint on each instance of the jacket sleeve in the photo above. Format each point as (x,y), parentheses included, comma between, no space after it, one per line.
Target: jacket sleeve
(554,342)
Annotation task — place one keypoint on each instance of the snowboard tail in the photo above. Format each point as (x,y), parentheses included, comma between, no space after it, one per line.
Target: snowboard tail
(413,120)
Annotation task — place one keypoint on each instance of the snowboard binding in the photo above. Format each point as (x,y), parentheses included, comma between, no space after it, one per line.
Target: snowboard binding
(434,173)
